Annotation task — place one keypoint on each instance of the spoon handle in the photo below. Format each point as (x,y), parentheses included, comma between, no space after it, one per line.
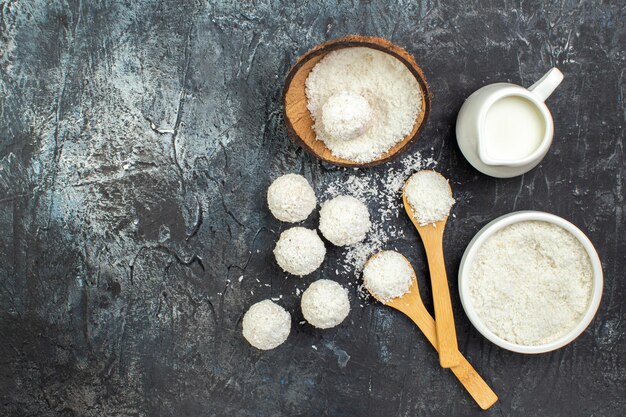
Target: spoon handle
(474,384)
(444,318)
(465,373)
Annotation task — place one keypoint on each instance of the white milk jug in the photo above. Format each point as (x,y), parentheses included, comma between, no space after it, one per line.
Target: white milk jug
(505,130)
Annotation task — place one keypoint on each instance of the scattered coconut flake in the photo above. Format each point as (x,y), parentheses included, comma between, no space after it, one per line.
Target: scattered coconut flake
(383,192)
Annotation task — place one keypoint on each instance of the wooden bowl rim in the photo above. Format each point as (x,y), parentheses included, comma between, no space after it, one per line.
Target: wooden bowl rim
(350,41)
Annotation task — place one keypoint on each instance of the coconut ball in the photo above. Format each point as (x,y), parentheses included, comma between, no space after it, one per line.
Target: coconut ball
(325,304)
(291,198)
(344,220)
(430,196)
(346,115)
(388,275)
(299,251)
(266,325)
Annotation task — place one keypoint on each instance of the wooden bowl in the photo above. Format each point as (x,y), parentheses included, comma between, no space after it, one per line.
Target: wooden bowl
(297,115)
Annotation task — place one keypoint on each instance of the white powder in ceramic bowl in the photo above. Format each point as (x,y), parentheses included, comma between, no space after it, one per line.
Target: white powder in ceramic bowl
(266,325)
(531,282)
(430,197)
(299,251)
(325,304)
(291,198)
(388,275)
(344,220)
(390,89)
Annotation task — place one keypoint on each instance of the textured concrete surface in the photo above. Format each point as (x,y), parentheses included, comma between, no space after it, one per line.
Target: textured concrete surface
(137,140)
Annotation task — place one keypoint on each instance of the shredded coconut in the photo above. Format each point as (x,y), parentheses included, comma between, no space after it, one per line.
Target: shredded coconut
(388,275)
(430,197)
(266,325)
(325,304)
(531,282)
(387,85)
(291,198)
(382,188)
(346,116)
(299,251)
(344,220)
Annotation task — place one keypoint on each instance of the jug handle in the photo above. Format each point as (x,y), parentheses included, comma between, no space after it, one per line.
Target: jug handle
(547,84)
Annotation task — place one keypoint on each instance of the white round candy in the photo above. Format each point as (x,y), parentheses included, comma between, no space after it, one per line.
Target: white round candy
(266,325)
(430,197)
(388,275)
(344,220)
(299,251)
(346,115)
(325,304)
(291,198)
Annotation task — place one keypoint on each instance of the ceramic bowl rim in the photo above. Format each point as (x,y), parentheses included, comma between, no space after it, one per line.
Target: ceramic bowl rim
(498,224)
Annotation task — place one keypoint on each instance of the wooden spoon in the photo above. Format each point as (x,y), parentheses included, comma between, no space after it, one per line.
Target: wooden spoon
(432,237)
(412,305)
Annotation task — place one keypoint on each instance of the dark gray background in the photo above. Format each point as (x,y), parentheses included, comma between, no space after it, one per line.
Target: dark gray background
(121,242)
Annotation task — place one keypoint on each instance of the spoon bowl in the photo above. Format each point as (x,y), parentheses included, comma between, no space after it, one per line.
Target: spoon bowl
(441,224)
(298,118)
(411,305)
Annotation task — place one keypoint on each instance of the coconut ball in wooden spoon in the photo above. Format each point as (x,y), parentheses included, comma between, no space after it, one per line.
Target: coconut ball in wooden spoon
(430,196)
(387,275)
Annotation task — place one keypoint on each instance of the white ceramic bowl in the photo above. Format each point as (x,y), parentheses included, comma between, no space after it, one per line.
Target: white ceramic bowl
(498,224)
